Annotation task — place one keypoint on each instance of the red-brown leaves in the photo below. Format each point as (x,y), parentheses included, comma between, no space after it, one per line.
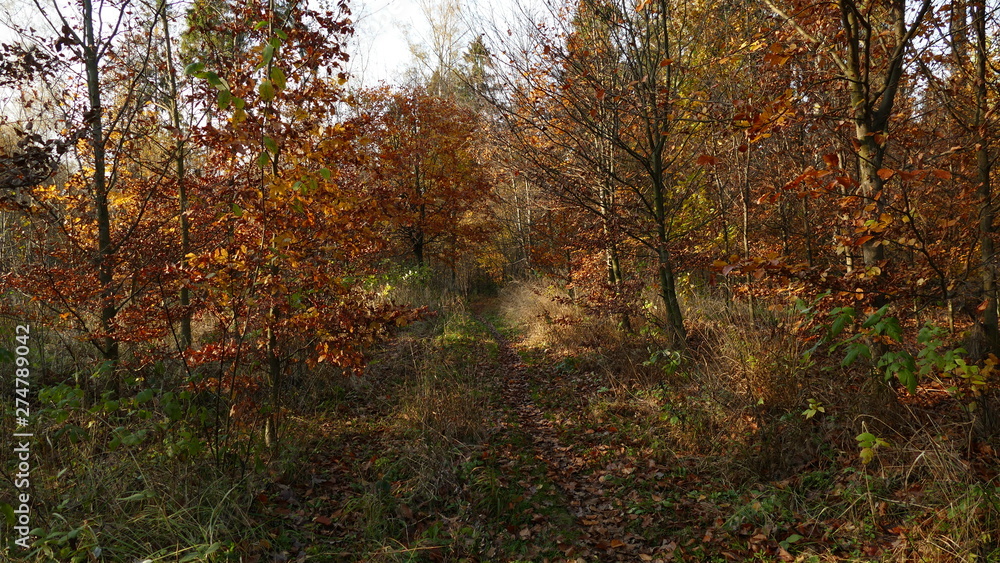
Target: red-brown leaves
(424,170)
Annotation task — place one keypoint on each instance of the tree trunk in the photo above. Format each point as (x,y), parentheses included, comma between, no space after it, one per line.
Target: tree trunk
(668,292)
(182,198)
(665,269)
(873,101)
(746,231)
(984,188)
(105,250)
(274,376)
(418,248)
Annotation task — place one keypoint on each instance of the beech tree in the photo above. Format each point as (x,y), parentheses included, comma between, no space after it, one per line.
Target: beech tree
(601,101)
(962,83)
(100,230)
(295,232)
(870,45)
(424,169)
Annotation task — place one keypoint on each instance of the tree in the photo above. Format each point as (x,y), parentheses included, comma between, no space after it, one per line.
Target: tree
(603,94)
(870,48)
(439,57)
(295,235)
(425,168)
(98,230)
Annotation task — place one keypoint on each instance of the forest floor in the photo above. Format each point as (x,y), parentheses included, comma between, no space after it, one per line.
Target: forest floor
(465,443)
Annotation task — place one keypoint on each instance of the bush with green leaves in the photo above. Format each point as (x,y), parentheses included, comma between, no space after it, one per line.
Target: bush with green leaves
(881,335)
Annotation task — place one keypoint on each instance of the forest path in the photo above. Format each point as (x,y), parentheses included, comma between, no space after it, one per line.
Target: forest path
(594,475)
(465,444)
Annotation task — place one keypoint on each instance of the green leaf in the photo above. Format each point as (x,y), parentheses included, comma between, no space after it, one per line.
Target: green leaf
(143,396)
(141,495)
(267,56)
(266,90)
(909,379)
(853,353)
(263,159)
(841,321)
(326,174)
(216,81)
(278,77)
(237,211)
(891,328)
(193,68)
(224,99)
(8,512)
(275,42)
(134,438)
(875,317)
(271,145)
(260,25)
(280,33)
(172,410)
(239,103)
(213,548)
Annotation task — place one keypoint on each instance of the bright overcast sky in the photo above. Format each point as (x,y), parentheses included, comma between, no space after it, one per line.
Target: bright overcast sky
(380,50)
(384,30)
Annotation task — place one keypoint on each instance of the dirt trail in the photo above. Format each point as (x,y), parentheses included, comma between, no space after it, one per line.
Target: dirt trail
(599,513)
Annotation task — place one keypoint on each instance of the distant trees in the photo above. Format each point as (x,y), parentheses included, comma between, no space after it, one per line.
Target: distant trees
(599,114)
(681,144)
(424,168)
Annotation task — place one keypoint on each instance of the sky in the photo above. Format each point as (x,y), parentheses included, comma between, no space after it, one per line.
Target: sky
(380,50)
(384,30)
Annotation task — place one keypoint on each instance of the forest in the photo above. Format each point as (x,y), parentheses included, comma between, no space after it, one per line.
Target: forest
(613,280)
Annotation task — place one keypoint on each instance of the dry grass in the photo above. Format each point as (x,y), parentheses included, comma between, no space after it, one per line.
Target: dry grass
(548,319)
(442,400)
(750,357)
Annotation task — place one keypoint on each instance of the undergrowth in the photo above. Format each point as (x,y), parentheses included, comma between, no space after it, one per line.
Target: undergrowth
(769,436)
(526,428)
